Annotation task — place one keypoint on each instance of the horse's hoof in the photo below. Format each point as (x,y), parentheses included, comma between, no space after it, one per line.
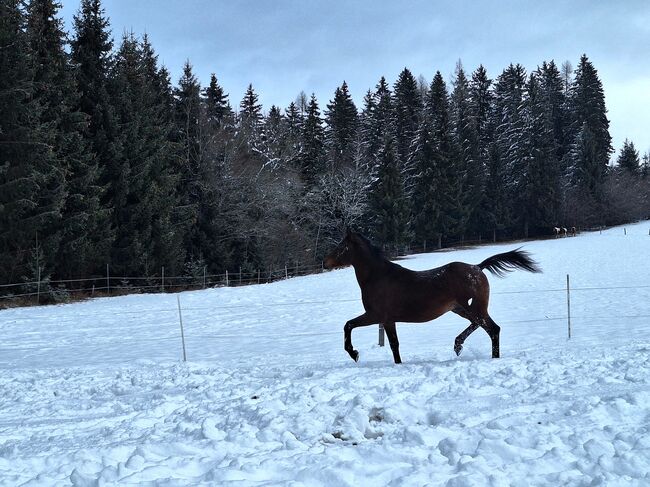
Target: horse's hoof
(458,348)
(355,355)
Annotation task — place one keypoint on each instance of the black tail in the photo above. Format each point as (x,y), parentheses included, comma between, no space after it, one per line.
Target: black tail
(509,261)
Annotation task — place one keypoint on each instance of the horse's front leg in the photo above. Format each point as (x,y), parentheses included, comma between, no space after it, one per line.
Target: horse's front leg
(391,331)
(363,320)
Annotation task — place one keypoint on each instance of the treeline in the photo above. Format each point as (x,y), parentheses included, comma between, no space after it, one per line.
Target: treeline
(104,160)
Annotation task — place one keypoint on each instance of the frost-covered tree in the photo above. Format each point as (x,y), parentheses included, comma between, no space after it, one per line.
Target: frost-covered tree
(341,129)
(215,101)
(540,187)
(628,159)
(468,163)
(313,144)
(588,125)
(388,208)
(480,102)
(407,108)
(250,113)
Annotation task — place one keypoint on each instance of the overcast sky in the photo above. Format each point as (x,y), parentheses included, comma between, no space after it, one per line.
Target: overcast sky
(283,47)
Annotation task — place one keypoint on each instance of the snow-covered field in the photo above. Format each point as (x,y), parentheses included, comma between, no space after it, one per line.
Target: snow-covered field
(95,393)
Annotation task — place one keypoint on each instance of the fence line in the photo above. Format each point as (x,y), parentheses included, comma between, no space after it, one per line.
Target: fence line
(352,300)
(258,276)
(212,284)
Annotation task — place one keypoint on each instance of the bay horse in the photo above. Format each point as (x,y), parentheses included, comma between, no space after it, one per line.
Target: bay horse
(392,293)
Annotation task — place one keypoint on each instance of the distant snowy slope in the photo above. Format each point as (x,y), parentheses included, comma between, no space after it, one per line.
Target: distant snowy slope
(94,393)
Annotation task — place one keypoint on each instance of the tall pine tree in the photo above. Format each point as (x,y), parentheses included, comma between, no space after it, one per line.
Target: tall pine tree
(628,160)
(589,133)
(81,231)
(341,129)
(26,156)
(407,108)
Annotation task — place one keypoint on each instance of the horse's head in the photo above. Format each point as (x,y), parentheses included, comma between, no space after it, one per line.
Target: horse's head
(344,252)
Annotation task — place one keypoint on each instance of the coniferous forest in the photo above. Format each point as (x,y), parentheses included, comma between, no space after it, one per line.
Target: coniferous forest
(106,160)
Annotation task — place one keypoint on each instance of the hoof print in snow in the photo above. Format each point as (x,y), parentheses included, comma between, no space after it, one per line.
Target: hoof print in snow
(255,397)
(376,415)
(339,435)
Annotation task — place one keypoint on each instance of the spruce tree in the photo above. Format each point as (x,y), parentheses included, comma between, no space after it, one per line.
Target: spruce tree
(91,49)
(188,113)
(131,218)
(552,91)
(216,102)
(450,197)
(274,140)
(382,118)
(367,132)
(313,145)
(250,113)
(645,165)
(589,125)
(480,102)
(468,164)
(25,153)
(164,156)
(407,108)
(425,207)
(540,188)
(294,122)
(341,129)
(146,237)
(507,164)
(84,240)
(375,123)
(387,200)
(628,160)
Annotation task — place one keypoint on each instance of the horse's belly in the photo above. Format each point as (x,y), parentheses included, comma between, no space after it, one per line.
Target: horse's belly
(414,311)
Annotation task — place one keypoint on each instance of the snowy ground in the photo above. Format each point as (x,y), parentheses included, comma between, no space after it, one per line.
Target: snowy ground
(94,393)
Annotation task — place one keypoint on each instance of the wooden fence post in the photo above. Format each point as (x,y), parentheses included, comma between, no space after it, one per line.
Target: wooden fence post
(108,281)
(568,305)
(226,278)
(240,275)
(258,276)
(162,287)
(382,335)
(286,272)
(203,277)
(180,319)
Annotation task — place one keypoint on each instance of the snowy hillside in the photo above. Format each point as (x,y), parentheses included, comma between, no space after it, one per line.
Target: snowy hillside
(94,393)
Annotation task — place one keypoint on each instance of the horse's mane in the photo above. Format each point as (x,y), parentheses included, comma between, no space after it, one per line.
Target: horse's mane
(374,251)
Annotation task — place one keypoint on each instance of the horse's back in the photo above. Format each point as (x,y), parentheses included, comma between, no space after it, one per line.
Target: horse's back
(416,296)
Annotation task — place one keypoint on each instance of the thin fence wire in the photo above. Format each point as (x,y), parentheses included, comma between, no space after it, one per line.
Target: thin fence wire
(121,284)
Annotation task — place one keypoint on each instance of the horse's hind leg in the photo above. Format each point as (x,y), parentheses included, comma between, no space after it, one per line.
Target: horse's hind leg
(481,319)
(460,339)
(391,331)
(493,330)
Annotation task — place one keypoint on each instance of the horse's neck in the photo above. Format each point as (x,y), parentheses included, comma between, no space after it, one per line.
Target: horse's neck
(366,267)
